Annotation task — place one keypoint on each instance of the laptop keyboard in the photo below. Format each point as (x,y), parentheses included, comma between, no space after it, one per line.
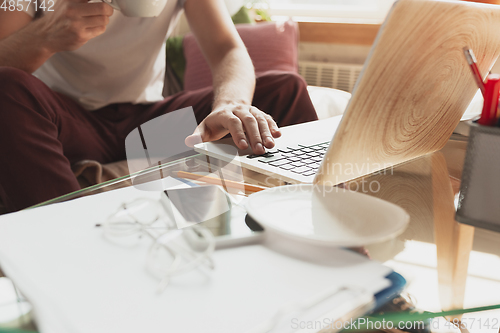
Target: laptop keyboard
(304,160)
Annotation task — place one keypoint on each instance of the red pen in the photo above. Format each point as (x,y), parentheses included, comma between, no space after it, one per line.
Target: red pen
(490,106)
(471,60)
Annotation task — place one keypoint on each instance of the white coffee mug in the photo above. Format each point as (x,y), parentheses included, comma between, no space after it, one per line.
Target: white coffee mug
(138,8)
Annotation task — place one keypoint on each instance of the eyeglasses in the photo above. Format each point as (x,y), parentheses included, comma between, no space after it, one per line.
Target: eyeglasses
(173,251)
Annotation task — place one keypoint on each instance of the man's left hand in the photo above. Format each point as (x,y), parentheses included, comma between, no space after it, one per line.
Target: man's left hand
(246,124)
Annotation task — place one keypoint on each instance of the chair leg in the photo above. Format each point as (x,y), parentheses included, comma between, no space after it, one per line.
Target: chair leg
(453,240)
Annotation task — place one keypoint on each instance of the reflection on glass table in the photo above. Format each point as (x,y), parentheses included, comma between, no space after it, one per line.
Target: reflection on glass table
(449,265)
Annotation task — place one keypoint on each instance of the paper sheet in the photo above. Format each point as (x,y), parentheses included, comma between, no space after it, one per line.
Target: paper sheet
(78,281)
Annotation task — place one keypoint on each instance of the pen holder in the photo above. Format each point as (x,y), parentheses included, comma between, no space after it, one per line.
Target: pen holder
(479,201)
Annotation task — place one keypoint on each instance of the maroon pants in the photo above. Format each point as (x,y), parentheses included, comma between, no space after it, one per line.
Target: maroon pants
(42,133)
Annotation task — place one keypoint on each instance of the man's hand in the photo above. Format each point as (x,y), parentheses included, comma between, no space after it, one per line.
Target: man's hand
(233,81)
(73,23)
(246,124)
(26,43)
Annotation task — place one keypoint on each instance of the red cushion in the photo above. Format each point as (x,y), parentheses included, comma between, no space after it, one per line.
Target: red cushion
(271,45)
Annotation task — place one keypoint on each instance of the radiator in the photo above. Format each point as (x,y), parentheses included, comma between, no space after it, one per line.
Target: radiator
(332,75)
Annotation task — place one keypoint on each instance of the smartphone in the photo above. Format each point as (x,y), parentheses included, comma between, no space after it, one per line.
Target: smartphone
(209,206)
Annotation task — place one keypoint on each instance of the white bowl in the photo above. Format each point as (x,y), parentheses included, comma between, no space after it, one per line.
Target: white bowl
(329,216)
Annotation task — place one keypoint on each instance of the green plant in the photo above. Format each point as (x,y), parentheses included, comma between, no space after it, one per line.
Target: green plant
(260,8)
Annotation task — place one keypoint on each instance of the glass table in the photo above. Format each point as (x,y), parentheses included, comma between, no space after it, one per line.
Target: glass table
(447,265)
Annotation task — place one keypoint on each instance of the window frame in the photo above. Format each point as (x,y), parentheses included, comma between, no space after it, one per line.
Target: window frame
(330,13)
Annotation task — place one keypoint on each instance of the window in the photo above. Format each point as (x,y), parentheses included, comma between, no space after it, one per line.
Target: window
(331,10)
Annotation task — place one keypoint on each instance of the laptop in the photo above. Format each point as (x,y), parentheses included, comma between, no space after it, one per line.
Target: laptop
(410,96)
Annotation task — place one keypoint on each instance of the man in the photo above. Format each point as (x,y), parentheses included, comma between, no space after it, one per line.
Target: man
(99,74)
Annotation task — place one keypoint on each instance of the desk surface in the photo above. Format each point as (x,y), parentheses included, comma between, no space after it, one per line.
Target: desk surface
(448,265)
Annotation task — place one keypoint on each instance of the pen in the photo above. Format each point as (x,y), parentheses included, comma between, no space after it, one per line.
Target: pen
(216,181)
(471,60)
(490,106)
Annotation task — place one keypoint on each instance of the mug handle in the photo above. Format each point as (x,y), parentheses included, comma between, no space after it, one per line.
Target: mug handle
(112,3)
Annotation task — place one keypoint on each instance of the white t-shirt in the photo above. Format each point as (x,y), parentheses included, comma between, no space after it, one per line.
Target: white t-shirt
(125,64)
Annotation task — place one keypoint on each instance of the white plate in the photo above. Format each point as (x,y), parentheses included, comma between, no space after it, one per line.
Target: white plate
(329,217)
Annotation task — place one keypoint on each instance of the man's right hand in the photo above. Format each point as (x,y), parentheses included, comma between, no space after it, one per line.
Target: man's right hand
(73,23)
